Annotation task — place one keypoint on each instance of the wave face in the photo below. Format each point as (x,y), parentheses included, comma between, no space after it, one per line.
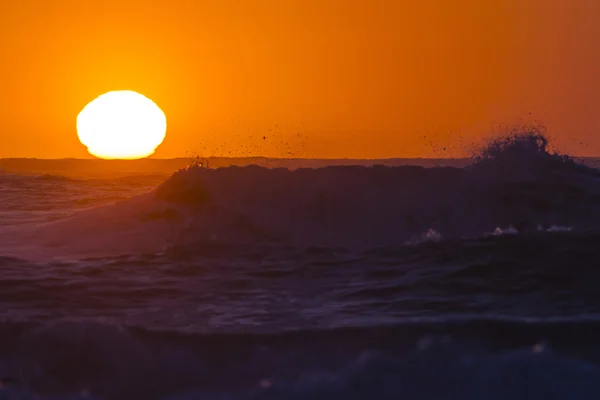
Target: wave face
(350,282)
(515,185)
(518,184)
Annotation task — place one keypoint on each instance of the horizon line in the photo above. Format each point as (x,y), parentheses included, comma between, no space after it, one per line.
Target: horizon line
(239,158)
(253,157)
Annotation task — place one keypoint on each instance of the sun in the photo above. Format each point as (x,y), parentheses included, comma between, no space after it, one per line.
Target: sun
(121,125)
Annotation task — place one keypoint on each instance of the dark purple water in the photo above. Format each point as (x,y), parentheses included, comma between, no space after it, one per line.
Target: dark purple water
(351,282)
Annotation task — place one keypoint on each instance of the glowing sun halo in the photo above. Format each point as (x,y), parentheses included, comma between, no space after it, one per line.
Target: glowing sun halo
(121,125)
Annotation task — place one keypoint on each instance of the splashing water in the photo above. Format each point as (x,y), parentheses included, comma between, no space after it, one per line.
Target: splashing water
(515,182)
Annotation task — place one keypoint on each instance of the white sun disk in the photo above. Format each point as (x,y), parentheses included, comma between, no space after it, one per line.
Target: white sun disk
(121,125)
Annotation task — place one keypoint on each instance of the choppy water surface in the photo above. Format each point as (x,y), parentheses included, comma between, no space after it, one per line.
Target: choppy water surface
(355,282)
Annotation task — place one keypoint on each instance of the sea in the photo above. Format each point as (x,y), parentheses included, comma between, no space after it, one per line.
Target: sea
(265,279)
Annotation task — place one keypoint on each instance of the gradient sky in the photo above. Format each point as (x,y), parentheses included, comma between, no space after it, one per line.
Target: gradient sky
(308,78)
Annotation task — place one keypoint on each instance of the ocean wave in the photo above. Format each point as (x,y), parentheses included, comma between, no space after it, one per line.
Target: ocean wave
(515,185)
(465,360)
(338,282)
(515,182)
(224,288)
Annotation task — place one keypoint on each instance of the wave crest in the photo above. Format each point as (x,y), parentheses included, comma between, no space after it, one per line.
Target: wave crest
(514,182)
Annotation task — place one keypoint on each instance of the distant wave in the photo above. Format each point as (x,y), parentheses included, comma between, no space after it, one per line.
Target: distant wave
(55,178)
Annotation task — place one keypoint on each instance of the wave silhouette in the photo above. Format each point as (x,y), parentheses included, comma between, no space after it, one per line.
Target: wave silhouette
(514,183)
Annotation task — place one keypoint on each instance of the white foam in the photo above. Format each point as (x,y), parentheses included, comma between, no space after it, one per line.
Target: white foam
(501,232)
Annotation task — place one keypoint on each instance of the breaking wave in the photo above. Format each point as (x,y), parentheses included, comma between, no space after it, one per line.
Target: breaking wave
(514,182)
(514,185)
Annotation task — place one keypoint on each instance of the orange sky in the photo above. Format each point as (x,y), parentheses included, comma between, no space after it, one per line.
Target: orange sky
(317,78)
